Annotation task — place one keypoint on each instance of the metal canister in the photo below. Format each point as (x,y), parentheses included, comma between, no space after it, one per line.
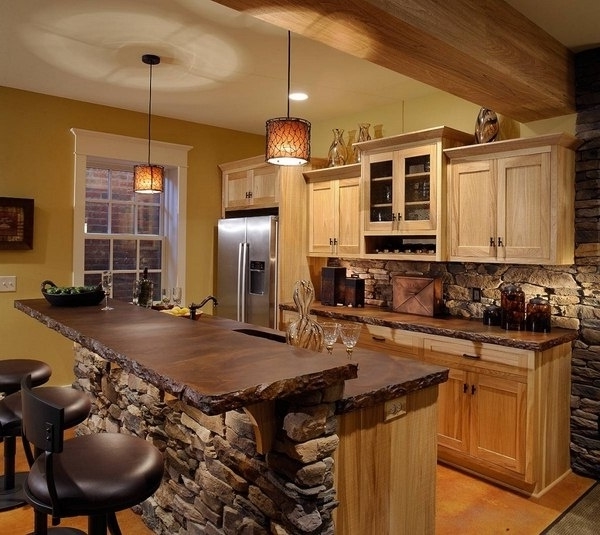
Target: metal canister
(492,315)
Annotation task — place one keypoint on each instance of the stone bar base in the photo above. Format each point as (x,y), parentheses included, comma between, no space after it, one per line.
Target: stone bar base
(215,481)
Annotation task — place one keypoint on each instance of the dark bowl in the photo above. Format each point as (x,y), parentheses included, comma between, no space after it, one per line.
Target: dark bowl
(89,296)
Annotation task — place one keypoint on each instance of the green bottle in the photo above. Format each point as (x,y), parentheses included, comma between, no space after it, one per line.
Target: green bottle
(146,290)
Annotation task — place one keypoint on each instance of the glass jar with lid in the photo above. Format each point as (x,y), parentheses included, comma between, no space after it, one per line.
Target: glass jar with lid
(512,302)
(538,315)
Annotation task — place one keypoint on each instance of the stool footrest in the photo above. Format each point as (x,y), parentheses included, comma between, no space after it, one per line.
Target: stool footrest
(12,498)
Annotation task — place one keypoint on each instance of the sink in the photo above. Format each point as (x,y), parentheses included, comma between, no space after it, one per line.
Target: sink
(269,335)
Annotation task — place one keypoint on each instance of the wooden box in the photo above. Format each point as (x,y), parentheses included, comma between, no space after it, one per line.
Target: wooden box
(417,295)
(355,292)
(333,285)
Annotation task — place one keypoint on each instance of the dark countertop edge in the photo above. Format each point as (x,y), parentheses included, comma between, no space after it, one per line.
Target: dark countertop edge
(381,395)
(497,338)
(211,405)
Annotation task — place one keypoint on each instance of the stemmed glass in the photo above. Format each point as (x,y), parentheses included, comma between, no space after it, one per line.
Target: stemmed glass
(107,281)
(177,295)
(349,333)
(331,331)
(166,297)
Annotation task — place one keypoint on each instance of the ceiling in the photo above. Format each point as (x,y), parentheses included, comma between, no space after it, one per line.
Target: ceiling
(218,67)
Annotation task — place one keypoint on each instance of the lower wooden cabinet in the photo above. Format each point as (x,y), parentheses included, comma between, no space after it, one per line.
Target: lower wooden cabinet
(483,416)
(504,412)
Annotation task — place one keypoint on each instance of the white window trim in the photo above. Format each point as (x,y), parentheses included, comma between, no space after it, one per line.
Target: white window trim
(130,151)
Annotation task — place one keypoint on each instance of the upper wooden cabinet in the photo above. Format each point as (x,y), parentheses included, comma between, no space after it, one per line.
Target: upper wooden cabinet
(250,183)
(403,181)
(513,201)
(334,211)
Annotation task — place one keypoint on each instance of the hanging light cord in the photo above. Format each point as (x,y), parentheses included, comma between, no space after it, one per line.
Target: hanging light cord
(149,113)
(289,70)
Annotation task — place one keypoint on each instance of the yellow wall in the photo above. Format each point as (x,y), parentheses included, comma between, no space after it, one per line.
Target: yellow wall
(36,161)
(435,109)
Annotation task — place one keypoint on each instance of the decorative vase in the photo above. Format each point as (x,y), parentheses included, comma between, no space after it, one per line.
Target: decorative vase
(486,126)
(363,135)
(305,332)
(337,150)
(352,151)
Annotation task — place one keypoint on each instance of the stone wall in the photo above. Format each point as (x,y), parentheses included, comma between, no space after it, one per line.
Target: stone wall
(215,481)
(574,291)
(585,402)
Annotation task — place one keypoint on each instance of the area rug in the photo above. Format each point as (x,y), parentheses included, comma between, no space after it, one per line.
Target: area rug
(582,518)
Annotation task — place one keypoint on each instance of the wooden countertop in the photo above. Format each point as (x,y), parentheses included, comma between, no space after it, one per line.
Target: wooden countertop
(451,326)
(210,366)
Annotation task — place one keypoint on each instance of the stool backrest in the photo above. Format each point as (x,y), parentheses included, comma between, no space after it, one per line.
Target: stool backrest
(43,423)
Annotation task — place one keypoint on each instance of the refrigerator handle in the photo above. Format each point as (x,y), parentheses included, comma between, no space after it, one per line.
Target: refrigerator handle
(241,282)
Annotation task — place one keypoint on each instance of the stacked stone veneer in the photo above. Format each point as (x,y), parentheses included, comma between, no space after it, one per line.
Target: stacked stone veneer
(215,482)
(574,291)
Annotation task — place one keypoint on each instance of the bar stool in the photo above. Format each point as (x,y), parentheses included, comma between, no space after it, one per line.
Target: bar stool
(12,372)
(91,475)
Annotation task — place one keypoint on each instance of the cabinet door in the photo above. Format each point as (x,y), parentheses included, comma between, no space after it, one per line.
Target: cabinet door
(525,204)
(238,188)
(472,211)
(265,186)
(348,217)
(321,216)
(416,190)
(453,412)
(499,422)
(380,171)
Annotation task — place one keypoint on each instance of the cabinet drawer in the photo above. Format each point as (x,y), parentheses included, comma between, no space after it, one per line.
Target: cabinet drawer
(387,340)
(471,355)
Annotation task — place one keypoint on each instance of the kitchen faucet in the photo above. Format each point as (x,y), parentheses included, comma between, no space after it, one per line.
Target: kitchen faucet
(193,307)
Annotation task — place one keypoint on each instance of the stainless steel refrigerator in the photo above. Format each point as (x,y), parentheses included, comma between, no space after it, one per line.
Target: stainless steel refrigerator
(247,269)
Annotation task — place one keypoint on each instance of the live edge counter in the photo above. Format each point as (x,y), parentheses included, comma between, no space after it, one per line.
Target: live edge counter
(199,390)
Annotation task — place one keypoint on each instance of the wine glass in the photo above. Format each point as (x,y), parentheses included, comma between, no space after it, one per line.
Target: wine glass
(177,295)
(331,331)
(107,281)
(349,333)
(166,297)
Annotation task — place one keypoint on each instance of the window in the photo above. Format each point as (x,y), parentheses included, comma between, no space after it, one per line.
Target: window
(116,229)
(123,230)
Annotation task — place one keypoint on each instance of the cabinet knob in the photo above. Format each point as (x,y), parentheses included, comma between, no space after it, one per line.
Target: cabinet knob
(465,388)
(473,390)
(492,242)
(399,216)
(472,357)
(378,338)
(500,244)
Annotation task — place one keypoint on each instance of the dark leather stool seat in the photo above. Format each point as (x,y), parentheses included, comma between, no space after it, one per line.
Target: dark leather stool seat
(92,475)
(12,372)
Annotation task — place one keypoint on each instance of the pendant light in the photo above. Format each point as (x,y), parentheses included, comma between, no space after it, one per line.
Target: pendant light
(148,178)
(288,138)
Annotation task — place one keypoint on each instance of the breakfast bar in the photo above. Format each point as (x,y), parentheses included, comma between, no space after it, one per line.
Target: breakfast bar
(259,436)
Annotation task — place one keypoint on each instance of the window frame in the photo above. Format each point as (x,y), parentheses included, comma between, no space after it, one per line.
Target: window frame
(99,147)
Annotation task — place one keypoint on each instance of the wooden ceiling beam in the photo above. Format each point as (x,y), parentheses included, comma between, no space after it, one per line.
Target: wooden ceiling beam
(483,51)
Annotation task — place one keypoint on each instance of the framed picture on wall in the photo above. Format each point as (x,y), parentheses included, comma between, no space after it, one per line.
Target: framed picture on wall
(16,223)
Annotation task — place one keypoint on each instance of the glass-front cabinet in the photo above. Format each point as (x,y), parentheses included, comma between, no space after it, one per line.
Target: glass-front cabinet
(402,178)
(401,193)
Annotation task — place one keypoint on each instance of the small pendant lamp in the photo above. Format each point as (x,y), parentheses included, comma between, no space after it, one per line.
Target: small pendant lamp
(148,178)
(288,138)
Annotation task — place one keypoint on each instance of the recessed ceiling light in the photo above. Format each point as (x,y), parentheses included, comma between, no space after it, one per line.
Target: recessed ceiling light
(298,96)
